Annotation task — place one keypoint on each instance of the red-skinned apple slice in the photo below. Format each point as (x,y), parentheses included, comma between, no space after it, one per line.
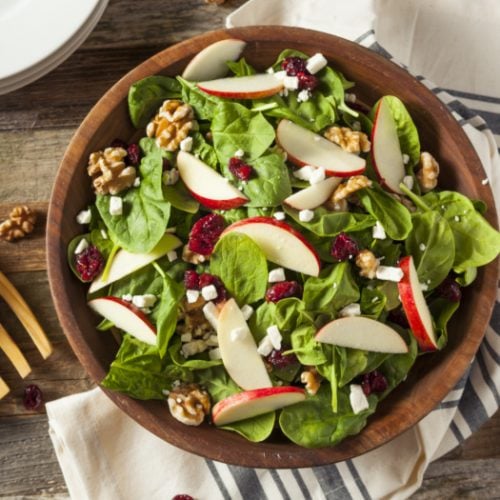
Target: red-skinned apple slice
(249,404)
(358,332)
(313,196)
(206,185)
(415,307)
(239,355)
(125,316)
(210,63)
(386,153)
(125,263)
(304,147)
(280,243)
(243,87)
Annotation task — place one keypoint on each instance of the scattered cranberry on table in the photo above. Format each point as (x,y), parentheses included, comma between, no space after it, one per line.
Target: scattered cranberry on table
(33,397)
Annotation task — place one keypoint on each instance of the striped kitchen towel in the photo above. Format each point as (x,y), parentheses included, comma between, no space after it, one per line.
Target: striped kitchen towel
(105,454)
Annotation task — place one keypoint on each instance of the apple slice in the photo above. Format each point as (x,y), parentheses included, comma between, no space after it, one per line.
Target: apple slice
(243,87)
(313,196)
(304,147)
(415,307)
(126,263)
(210,63)
(206,185)
(358,332)
(239,354)
(125,316)
(386,151)
(280,243)
(249,404)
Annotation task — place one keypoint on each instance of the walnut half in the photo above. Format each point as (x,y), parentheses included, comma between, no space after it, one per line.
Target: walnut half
(189,403)
(428,174)
(349,140)
(21,222)
(312,380)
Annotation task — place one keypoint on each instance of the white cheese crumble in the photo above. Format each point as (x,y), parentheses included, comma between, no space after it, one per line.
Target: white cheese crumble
(304,95)
(279,215)
(115,205)
(209,292)
(214,354)
(137,182)
(247,311)
(211,314)
(406,159)
(270,70)
(239,153)
(239,333)
(350,310)
(274,336)
(306,215)
(317,176)
(422,247)
(82,245)
(304,173)
(186,144)
(457,218)
(316,63)
(170,177)
(144,301)
(84,217)
(359,402)
(389,273)
(265,346)
(424,287)
(378,231)
(104,234)
(408,181)
(484,182)
(276,275)
(291,82)
(186,337)
(192,296)
(172,255)
(127,297)
(280,75)
(349,97)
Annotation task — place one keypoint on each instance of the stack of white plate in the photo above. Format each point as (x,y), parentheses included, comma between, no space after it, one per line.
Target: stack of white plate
(38,35)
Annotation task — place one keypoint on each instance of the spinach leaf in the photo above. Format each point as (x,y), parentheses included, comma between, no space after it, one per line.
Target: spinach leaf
(233,215)
(333,289)
(139,371)
(203,150)
(148,146)
(467,277)
(236,127)
(333,84)
(396,367)
(394,216)
(167,313)
(203,104)
(373,302)
(326,223)
(476,242)
(270,184)
(242,267)
(70,253)
(104,245)
(201,362)
(432,246)
(179,197)
(264,316)
(145,213)
(220,386)
(442,310)
(354,362)
(305,347)
(241,67)
(146,95)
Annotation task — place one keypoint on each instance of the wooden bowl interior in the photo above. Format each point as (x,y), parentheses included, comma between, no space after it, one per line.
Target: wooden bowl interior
(432,377)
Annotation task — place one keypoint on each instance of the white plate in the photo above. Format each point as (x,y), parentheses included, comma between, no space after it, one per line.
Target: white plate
(36,36)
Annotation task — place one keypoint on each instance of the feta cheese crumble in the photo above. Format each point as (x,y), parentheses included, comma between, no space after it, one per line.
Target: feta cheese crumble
(274,335)
(186,144)
(172,255)
(316,63)
(303,95)
(279,215)
(389,273)
(209,292)
(422,247)
(304,173)
(115,205)
(247,311)
(306,215)
(144,301)
(82,245)
(406,159)
(137,182)
(276,275)
(378,231)
(350,310)
(317,176)
(359,402)
(349,97)
(192,296)
(127,297)
(239,153)
(104,234)
(265,346)
(84,217)
(424,287)
(408,181)
(291,82)
(280,75)
(484,182)
(211,314)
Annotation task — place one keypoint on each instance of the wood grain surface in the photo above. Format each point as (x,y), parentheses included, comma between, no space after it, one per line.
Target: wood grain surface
(36,124)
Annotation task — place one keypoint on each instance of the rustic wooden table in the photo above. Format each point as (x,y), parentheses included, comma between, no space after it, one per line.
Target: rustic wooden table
(36,124)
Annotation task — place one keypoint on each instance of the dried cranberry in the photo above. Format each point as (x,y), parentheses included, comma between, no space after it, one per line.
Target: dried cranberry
(33,397)
(133,155)
(307,81)
(166,164)
(240,169)
(449,289)
(89,263)
(282,290)
(182,497)
(205,233)
(398,316)
(119,143)
(280,360)
(373,382)
(207,279)
(293,65)
(344,247)
(191,280)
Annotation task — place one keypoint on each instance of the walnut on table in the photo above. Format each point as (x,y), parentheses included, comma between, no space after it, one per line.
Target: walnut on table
(110,174)
(312,380)
(189,403)
(368,263)
(172,124)
(428,174)
(352,141)
(20,223)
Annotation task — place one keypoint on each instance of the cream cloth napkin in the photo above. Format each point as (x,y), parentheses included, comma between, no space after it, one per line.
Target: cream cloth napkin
(104,454)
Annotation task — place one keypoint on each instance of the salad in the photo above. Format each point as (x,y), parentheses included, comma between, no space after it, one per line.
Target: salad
(272,253)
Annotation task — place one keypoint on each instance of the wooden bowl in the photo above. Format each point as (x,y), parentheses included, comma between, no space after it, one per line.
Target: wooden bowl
(433,375)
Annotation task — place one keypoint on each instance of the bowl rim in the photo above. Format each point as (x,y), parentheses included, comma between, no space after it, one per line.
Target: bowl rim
(260,454)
